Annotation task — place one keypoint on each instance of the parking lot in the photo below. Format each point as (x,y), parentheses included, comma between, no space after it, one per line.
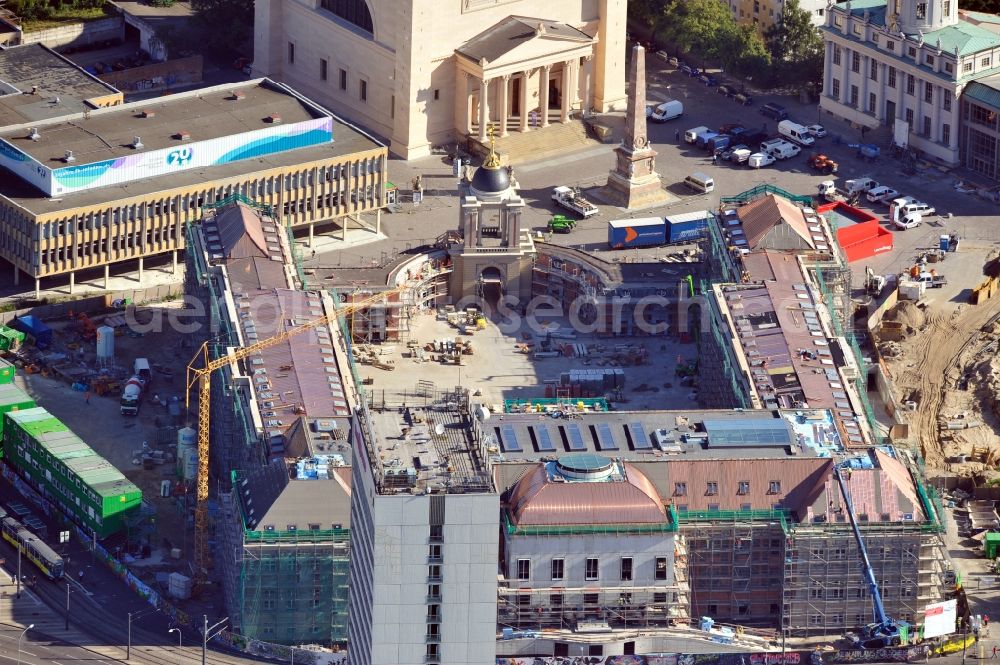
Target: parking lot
(972,218)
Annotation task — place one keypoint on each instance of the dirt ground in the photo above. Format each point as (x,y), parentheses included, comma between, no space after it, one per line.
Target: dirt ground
(119,438)
(497,370)
(946,365)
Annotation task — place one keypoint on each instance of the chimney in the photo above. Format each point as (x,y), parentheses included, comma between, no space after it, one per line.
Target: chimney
(182,135)
(238,95)
(33,134)
(137,143)
(68,157)
(274,119)
(147,113)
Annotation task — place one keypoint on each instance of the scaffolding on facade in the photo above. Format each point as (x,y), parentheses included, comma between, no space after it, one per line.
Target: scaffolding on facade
(621,606)
(735,560)
(287,587)
(824,589)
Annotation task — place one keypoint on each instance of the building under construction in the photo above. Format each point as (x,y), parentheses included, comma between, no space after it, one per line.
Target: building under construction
(287,528)
(752,523)
(288,402)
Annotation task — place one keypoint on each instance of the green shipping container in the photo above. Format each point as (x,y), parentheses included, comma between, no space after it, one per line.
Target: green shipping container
(87,487)
(10,339)
(991,543)
(12,398)
(7,370)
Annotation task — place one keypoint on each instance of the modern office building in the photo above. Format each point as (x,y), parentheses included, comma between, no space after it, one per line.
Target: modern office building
(903,64)
(423,73)
(88,187)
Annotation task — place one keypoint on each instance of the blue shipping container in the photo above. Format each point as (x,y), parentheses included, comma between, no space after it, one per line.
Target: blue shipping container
(31,325)
(687,226)
(627,233)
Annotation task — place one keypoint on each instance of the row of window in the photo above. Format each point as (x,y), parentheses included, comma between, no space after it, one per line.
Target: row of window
(838,619)
(926,129)
(557,599)
(324,75)
(742,488)
(592,569)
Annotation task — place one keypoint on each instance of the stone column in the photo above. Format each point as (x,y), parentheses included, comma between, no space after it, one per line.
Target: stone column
(503,104)
(588,81)
(567,96)
(17,276)
(107,276)
(525,111)
(484,108)
(543,94)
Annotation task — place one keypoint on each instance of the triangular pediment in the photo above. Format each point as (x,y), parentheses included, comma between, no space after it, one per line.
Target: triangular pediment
(519,38)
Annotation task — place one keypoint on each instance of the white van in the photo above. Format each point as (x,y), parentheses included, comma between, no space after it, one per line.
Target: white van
(881,194)
(700,182)
(796,132)
(691,135)
(667,111)
(784,150)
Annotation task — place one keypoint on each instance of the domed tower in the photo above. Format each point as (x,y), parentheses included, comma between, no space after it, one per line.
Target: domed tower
(921,16)
(495,254)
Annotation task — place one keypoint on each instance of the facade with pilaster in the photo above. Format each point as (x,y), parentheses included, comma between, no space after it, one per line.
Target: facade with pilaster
(424,72)
(906,62)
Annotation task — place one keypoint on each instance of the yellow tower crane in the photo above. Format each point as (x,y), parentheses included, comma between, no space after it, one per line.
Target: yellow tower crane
(203,377)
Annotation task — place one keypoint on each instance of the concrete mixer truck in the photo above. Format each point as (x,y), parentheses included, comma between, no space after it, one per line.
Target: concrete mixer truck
(134,387)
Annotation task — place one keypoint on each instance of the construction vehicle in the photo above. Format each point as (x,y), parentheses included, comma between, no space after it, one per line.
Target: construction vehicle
(561,224)
(822,163)
(884,631)
(132,395)
(571,199)
(202,377)
(873,283)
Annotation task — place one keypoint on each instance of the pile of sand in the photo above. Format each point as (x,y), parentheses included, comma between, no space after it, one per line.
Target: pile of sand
(908,314)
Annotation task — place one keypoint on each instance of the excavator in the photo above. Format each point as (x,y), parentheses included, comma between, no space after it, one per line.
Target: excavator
(884,631)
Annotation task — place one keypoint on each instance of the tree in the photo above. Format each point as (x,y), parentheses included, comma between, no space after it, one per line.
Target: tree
(225,26)
(796,45)
(744,53)
(702,25)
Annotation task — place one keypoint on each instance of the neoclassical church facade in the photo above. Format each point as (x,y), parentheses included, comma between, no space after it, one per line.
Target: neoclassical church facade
(422,73)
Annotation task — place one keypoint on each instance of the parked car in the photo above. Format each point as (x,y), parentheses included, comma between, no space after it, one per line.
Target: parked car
(881,194)
(708,80)
(817,130)
(907,222)
(725,90)
(662,55)
(688,70)
(743,99)
(759,159)
(772,110)
(674,61)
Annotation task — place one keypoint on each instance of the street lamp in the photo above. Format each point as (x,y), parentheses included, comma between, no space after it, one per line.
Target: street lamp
(178,631)
(18,568)
(19,642)
(205,636)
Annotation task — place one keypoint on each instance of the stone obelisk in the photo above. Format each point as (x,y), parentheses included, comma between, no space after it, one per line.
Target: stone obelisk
(634,183)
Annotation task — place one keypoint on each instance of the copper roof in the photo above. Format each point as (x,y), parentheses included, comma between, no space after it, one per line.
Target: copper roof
(716,484)
(760,216)
(241,232)
(538,500)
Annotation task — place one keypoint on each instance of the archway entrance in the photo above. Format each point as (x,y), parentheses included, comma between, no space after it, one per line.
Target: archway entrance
(491,285)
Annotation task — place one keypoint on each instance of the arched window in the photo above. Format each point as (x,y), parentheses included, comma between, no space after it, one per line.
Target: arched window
(353,11)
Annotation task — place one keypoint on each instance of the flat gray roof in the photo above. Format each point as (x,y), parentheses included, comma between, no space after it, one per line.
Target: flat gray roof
(206,114)
(346,141)
(645,435)
(30,65)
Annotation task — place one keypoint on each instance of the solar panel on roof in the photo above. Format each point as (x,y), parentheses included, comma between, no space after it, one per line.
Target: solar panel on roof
(509,440)
(639,437)
(544,439)
(747,432)
(605,439)
(575,437)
